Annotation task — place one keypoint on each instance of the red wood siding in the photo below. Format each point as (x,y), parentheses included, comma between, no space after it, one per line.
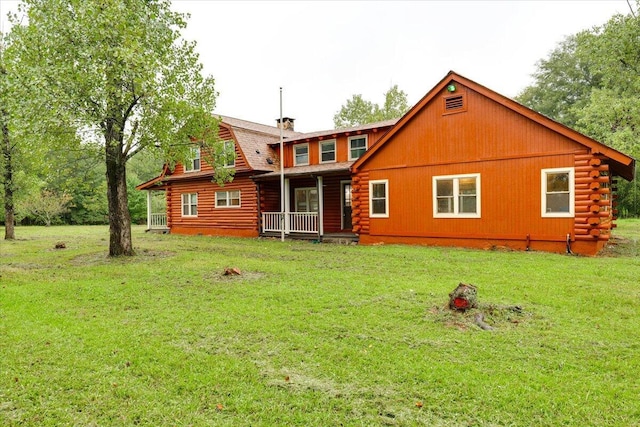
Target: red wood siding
(241,221)
(342,146)
(509,152)
(333,203)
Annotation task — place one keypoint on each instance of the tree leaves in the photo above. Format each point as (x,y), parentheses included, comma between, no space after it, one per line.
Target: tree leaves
(359,111)
(591,82)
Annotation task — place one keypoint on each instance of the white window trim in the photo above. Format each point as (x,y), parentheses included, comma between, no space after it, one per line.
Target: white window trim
(386,198)
(543,193)
(195,154)
(456,213)
(366,144)
(182,205)
(295,149)
(224,150)
(228,198)
(335,150)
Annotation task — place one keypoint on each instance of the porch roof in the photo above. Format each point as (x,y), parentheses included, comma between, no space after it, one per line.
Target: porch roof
(321,169)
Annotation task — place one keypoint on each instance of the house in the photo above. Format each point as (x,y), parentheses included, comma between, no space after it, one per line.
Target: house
(469,167)
(194,204)
(316,180)
(465,166)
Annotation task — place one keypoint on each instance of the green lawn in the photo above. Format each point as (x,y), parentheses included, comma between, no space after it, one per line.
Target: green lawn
(313,334)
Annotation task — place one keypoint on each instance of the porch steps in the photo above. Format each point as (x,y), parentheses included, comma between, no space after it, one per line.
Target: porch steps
(336,238)
(157,230)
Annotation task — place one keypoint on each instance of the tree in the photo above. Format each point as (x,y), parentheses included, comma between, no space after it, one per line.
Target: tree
(591,82)
(359,111)
(46,206)
(121,72)
(7,149)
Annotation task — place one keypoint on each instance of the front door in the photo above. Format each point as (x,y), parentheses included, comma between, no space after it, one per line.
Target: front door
(346,206)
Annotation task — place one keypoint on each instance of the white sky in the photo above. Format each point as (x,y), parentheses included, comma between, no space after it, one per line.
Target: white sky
(323,52)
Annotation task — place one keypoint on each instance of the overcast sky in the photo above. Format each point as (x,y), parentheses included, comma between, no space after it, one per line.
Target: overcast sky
(323,52)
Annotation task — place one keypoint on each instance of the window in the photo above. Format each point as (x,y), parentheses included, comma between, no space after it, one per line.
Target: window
(229,153)
(306,199)
(193,162)
(190,204)
(228,199)
(456,196)
(301,154)
(557,192)
(357,146)
(328,151)
(379,199)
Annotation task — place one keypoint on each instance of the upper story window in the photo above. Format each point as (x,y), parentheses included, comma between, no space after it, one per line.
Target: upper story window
(456,196)
(193,162)
(301,154)
(557,192)
(229,153)
(357,146)
(328,151)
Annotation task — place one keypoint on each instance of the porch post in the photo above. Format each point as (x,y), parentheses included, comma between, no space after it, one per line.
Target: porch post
(287,224)
(320,207)
(149,212)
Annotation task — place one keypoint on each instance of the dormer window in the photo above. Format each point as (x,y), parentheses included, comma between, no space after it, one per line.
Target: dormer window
(301,154)
(229,153)
(193,162)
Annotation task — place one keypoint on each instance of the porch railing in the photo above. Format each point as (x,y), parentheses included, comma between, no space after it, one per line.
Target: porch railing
(297,222)
(158,220)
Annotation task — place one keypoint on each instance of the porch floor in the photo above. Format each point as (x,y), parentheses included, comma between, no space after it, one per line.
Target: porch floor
(340,238)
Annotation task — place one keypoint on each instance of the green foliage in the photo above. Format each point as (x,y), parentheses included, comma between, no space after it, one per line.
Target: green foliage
(563,82)
(591,82)
(45,207)
(117,72)
(336,335)
(358,111)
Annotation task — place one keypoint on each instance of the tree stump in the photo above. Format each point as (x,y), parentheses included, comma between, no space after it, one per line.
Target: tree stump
(232,271)
(463,297)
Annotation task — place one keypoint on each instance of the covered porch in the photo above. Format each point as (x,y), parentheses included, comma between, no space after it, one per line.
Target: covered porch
(156,205)
(317,203)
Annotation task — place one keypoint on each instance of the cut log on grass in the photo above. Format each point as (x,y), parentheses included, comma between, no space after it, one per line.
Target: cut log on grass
(463,297)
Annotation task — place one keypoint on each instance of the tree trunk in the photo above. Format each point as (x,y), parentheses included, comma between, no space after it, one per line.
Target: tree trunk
(9,212)
(119,218)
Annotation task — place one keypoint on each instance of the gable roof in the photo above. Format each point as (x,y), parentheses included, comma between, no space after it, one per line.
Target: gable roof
(621,164)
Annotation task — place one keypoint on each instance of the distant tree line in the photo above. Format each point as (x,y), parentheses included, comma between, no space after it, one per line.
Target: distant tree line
(591,82)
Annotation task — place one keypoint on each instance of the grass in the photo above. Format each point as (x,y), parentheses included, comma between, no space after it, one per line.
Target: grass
(313,335)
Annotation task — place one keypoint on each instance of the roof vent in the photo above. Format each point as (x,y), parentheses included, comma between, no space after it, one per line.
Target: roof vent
(453,103)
